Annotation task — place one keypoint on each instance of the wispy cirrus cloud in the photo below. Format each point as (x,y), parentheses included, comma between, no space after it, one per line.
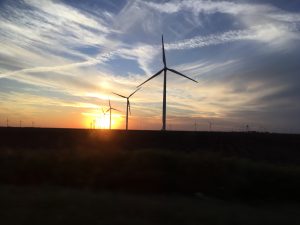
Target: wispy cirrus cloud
(83,50)
(145,53)
(234,8)
(48,29)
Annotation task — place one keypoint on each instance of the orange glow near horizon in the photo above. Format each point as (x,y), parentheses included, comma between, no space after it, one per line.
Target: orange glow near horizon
(102,121)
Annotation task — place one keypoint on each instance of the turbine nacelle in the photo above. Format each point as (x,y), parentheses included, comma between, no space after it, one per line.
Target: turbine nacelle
(109,110)
(165,69)
(128,109)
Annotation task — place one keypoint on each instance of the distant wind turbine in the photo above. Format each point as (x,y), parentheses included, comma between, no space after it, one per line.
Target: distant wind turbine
(128,104)
(110,109)
(165,82)
(104,113)
(210,125)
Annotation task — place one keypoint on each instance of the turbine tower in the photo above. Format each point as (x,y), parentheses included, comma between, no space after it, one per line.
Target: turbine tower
(210,125)
(165,82)
(128,104)
(110,109)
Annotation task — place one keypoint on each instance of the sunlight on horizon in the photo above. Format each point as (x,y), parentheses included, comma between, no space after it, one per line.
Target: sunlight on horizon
(98,121)
(62,61)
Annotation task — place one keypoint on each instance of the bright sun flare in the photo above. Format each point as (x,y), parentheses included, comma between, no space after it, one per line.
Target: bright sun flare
(102,122)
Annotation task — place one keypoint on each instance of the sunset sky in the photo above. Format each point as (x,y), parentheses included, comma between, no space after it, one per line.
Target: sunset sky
(60,61)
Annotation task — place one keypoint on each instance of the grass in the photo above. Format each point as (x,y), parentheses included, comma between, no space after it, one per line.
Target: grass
(152,171)
(55,205)
(65,176)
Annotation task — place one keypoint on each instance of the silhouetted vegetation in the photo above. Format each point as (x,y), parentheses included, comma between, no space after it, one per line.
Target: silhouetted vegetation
(235,166)
(64,206)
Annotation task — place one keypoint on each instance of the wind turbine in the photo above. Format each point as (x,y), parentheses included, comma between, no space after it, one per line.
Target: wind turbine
(104,113)
(110,109)
(210,125)
(128,104)
(165,82)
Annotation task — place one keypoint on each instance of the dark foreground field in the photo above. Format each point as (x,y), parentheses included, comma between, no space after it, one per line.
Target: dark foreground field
(118,177)
(65,206)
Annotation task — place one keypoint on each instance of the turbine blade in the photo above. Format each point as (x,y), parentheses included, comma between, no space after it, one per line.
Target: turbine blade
(119,95)
(134,92)
(174,71)
(109,103)
(163,50)
(151,77)
(115,109)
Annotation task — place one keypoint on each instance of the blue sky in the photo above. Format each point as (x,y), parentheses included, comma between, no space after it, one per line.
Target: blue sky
(60,61)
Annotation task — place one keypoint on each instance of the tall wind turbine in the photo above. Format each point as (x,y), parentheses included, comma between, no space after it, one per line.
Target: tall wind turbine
(165,82)
(128,104)
(110,109)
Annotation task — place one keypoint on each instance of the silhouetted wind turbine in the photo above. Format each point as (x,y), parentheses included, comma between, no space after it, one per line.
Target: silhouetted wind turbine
(210,125)
(128,104)
(110,109)
(165,82)
(104,113)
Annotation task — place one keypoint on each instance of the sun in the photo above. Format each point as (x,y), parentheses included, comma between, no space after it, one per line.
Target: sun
(98,121)
(103,122)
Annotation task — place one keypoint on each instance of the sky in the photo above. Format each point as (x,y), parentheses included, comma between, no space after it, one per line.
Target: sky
(60,61)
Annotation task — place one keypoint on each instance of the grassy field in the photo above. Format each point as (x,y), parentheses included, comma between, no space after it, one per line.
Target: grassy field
(65,176)
(153,171)
(56,205)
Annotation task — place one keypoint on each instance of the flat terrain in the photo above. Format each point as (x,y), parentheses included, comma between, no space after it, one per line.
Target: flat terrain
(64,206)
(272,147)
(78,176)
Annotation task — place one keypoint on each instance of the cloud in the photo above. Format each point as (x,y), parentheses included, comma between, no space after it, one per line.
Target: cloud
(101,58)
(49,35)
(233,8)
(144,54)
(268,22)
(65,14)
(83,53)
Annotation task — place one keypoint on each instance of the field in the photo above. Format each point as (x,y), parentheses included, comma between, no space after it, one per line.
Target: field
(119,177)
